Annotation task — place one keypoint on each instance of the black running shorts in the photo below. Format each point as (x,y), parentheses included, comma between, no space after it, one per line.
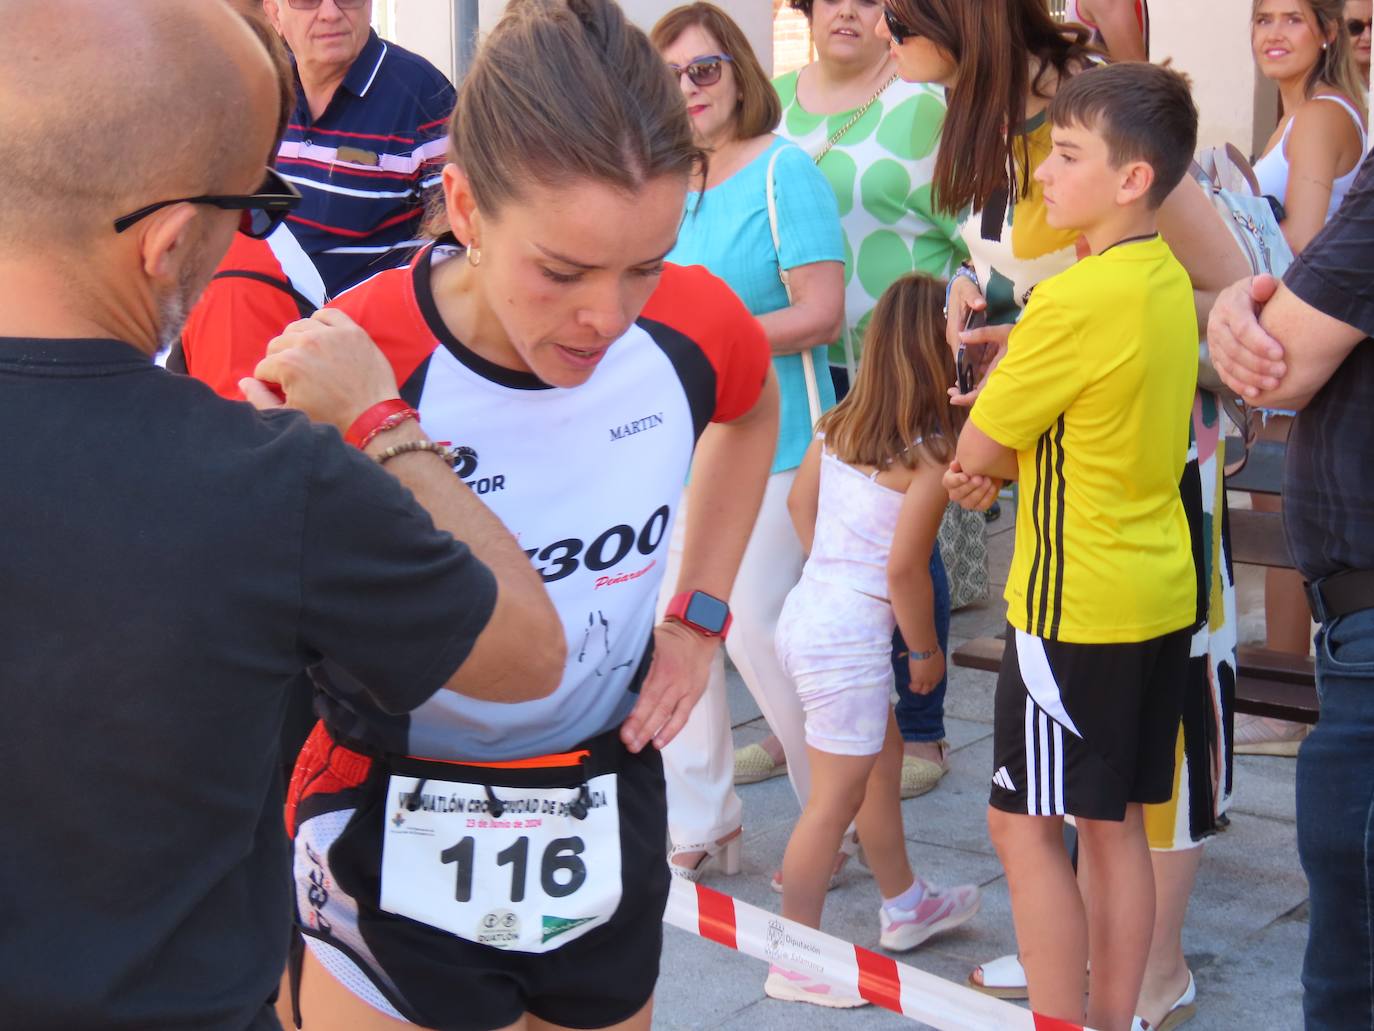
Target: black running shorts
(1085,729)
(503,854)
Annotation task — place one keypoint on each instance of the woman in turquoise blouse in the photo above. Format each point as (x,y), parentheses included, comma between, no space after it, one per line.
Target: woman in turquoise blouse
(734,111)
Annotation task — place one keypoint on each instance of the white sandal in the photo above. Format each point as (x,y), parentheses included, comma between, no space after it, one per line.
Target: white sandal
(727,851)
(1003,978)
(1182,1011)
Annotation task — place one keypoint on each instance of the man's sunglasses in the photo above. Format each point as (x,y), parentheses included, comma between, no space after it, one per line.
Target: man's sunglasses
(310,5)
(1358,26)
(899,32)
(704,70)
(262,211)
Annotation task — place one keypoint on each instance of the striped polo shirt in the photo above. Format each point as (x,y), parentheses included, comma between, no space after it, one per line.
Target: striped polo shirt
(363,168)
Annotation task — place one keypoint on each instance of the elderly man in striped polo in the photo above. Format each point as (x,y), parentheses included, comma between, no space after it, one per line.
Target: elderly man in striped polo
(366,141)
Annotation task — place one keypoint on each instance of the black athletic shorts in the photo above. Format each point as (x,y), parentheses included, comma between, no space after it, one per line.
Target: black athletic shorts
(511,848)
(1085,729)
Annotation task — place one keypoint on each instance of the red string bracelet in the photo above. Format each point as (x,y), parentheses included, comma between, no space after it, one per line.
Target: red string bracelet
(383,416)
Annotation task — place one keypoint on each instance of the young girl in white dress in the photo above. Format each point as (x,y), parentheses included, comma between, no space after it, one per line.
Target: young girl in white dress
(866,504)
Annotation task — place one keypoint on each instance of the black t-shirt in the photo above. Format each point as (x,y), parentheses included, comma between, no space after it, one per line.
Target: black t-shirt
(170,561)
(1328,489)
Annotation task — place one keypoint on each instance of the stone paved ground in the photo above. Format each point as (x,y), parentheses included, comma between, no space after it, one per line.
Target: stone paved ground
(1246,928)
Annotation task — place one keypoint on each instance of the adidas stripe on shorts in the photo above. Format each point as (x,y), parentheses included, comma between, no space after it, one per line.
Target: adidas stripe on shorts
(1085,729)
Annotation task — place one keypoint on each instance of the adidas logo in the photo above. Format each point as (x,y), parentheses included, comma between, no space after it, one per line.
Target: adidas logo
(1003,779)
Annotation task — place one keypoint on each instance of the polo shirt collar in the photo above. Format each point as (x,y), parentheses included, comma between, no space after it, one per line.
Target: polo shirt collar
(364,68)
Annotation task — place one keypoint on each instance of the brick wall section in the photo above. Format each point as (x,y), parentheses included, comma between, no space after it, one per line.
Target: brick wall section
(791,38)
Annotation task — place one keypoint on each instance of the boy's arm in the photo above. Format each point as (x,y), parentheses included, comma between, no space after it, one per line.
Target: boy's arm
(980,455)
(1027,391)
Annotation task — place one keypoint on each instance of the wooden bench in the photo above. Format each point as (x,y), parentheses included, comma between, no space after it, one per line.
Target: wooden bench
(1268,683)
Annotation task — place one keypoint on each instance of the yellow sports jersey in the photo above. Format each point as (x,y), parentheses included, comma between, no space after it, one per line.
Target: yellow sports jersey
(1095,395)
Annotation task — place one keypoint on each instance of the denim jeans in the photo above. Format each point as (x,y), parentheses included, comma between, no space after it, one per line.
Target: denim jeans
(921,717)
(1335,810)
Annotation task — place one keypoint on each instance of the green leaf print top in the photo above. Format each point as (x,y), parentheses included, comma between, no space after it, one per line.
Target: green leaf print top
(880,171)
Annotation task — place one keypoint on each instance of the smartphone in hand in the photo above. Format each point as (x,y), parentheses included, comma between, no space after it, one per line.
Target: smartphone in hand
(966,361)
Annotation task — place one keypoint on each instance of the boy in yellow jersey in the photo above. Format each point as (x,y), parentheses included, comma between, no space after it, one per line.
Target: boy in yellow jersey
(1089,410)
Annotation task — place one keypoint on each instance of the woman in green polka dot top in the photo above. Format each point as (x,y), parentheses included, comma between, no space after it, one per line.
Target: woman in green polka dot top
(885,133)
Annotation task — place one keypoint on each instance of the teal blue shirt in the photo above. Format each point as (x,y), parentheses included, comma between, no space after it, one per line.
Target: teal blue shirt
(726,230)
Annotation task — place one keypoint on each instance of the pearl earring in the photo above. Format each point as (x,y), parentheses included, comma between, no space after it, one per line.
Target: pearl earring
(474,256)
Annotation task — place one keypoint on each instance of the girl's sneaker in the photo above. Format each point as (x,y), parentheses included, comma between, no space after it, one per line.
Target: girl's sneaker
(904,929)
(790,986)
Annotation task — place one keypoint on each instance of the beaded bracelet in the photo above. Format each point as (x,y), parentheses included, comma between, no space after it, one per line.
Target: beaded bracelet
(385,415)
(962,272)
(446,453)
(389,423)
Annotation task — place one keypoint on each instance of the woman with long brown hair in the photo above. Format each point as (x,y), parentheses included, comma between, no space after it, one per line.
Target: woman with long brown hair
(483,866)
(1002,62)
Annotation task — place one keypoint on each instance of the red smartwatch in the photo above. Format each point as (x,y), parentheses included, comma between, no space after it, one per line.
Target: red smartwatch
(699,611)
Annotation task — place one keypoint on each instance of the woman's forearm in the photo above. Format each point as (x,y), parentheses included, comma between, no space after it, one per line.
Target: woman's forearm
(729,473)
(1203,245)
(815,316)
(800,327)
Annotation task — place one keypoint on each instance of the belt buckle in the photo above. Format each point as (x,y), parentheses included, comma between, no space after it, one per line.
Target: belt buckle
(1315,601)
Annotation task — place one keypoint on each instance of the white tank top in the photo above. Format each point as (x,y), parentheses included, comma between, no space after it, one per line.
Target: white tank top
(856,518)
(1272,169)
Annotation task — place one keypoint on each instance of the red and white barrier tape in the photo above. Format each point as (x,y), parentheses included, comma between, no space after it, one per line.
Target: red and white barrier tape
(879,979)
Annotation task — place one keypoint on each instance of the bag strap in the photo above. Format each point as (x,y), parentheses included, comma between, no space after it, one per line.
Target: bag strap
(845,338)
(813,390)
(838,134)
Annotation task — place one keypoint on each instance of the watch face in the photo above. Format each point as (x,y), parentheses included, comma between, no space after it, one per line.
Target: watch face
(707,612)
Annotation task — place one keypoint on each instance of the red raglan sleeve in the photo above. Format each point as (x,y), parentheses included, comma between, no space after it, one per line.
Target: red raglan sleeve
(702,308)
(387,308)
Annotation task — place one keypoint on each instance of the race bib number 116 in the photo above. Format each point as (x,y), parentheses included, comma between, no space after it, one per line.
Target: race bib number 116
(530,879)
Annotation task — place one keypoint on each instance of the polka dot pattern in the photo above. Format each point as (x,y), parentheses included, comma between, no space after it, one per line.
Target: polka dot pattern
(880,171)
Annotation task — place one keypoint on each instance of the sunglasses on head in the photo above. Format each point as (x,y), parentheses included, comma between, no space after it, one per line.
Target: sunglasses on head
(703,71)
(899,32)
(262,212)
(1358,26)
(310,5)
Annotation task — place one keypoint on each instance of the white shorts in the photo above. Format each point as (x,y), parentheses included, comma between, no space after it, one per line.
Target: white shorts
(836,645)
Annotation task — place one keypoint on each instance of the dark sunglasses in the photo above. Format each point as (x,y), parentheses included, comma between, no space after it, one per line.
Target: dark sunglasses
(899,32)
(704,70)
(310,5)
(1357,26)
(262,211)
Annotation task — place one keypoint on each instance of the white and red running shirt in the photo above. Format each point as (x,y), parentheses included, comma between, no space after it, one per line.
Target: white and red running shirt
(587,478)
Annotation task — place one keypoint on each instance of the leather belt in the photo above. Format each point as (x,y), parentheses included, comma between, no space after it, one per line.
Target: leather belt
(1340,594)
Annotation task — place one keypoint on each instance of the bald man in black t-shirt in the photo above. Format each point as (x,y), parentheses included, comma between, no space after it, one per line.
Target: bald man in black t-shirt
(172,560)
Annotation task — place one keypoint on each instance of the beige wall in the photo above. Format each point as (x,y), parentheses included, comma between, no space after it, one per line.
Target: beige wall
(424,26)
(1210,40)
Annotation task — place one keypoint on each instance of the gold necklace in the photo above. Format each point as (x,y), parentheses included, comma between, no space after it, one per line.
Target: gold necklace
(838,133)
